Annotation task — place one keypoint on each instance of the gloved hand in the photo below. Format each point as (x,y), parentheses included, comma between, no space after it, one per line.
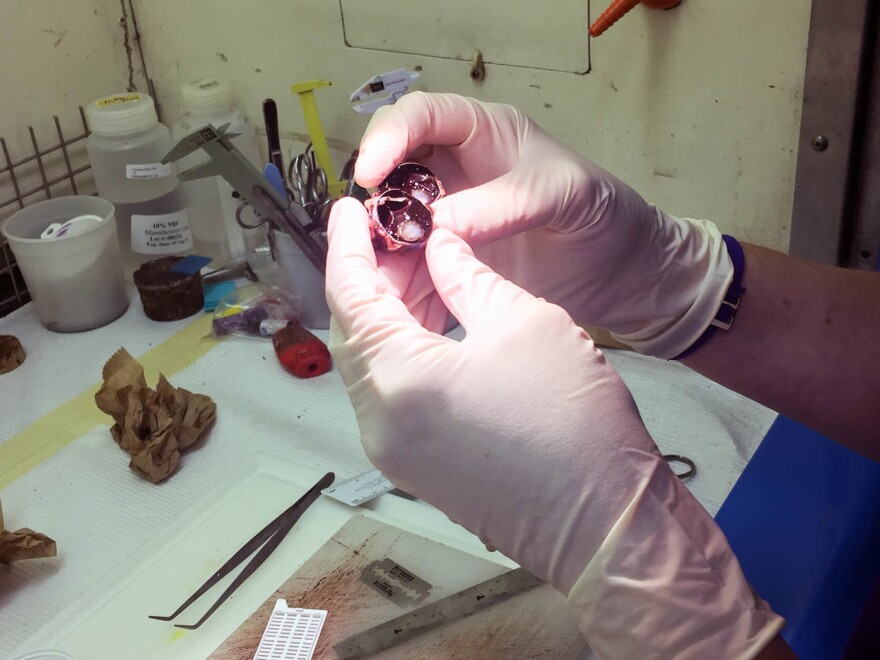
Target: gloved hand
(525,435)
(554,223)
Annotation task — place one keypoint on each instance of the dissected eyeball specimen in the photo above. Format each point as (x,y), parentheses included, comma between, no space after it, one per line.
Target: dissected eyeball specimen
(400,210)
(415,179)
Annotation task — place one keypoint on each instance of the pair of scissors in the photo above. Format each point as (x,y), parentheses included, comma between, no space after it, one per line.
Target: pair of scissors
(309,184)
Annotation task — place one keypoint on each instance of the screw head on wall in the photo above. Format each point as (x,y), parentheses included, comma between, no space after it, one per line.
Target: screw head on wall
(819,143)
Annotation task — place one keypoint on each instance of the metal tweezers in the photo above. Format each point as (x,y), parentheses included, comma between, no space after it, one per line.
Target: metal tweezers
(269,538)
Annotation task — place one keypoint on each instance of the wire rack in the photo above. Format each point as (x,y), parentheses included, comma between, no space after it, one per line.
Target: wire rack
(57,169)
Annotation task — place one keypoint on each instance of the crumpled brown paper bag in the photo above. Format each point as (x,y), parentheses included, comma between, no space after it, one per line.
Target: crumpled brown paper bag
(23,544)
(154,426)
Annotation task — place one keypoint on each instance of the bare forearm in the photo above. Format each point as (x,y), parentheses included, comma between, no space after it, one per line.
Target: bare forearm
(805,342)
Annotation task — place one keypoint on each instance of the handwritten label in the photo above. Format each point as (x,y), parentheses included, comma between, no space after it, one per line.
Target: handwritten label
(360,488)
(147,171)
(161,234)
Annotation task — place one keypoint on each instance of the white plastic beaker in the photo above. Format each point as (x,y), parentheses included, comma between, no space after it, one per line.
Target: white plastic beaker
(305,280)
(75,281)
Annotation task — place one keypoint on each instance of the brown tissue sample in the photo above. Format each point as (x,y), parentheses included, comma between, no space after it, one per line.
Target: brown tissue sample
(153,425)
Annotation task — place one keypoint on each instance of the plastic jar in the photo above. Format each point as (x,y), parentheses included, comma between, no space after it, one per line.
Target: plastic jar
(125,149)
(216,233)
(76,279)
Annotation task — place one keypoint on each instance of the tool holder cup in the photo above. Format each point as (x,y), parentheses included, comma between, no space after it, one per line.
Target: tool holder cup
(304,278)
(75,278)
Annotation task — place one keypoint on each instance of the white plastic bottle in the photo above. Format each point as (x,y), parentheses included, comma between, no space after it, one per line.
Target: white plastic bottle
(212,207)
(125,149)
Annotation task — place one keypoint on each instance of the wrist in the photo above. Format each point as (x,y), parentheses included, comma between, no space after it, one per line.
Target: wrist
(726,313)
(665,584)
(684,290)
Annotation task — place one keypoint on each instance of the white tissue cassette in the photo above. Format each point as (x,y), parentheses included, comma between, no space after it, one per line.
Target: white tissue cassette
(291,634)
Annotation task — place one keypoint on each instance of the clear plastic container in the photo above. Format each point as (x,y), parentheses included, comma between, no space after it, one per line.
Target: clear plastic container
(305,280)
(216,233)
(125,150)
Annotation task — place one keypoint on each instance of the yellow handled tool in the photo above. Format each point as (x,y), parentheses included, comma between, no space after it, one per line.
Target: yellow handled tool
(306,93)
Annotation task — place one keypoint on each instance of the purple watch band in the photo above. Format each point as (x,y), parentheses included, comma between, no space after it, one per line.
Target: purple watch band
(727,311)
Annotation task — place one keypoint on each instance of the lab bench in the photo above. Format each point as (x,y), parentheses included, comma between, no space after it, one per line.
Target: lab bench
(128,548)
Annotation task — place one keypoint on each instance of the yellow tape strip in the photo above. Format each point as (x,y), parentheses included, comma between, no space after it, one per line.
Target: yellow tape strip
(73,419)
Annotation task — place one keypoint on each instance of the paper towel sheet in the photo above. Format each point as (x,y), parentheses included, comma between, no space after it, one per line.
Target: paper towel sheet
(693,416)
(72,361)
(100,513)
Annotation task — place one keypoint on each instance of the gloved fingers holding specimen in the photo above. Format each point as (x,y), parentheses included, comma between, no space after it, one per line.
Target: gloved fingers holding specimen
(402,272)
(555,223)
(525,435)
(446,420)
(487,154)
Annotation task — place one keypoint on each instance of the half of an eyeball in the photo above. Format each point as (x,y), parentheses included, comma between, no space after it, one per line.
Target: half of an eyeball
(416,180)
(399,221)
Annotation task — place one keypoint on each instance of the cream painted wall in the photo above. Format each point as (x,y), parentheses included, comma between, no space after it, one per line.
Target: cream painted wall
(57,55)
(697,107)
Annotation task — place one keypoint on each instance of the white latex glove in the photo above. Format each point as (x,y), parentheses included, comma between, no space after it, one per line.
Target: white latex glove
(554,223)
(526,436)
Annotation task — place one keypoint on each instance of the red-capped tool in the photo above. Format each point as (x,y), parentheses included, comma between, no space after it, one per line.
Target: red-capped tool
(301,352)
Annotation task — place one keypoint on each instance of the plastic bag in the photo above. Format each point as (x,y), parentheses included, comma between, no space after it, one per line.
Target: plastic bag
(255,311)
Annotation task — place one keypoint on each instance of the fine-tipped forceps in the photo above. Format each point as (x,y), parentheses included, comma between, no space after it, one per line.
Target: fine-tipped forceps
(308,183)
(269,538)
(352,189)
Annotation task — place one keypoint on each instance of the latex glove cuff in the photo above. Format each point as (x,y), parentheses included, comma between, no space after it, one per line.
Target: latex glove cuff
(665,584)
(701,292)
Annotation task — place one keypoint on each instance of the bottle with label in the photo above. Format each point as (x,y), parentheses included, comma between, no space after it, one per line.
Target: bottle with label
(125,149)
(216,233)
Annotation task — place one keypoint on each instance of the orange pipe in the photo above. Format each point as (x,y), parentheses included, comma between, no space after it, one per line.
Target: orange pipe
(610,16)
(618,8)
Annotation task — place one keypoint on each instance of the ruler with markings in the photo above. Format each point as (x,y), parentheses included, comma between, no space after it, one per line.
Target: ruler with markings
(431,616)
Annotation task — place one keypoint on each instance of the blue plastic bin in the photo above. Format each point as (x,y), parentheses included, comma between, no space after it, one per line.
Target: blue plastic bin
(804,520)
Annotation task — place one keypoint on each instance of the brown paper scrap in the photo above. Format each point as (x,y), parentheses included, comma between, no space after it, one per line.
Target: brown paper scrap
(152,425)
(23,544)
(12,353)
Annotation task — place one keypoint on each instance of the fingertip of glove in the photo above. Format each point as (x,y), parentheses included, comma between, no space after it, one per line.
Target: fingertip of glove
(369,171)
(448,253)
(348,205)
(380,148)
(350,246)
(443,240)
(345,211)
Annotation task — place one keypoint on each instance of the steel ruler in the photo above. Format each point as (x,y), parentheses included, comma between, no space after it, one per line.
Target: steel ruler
(431,616)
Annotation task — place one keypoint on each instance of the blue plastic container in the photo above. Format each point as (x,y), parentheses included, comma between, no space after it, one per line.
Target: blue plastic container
(804,521)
